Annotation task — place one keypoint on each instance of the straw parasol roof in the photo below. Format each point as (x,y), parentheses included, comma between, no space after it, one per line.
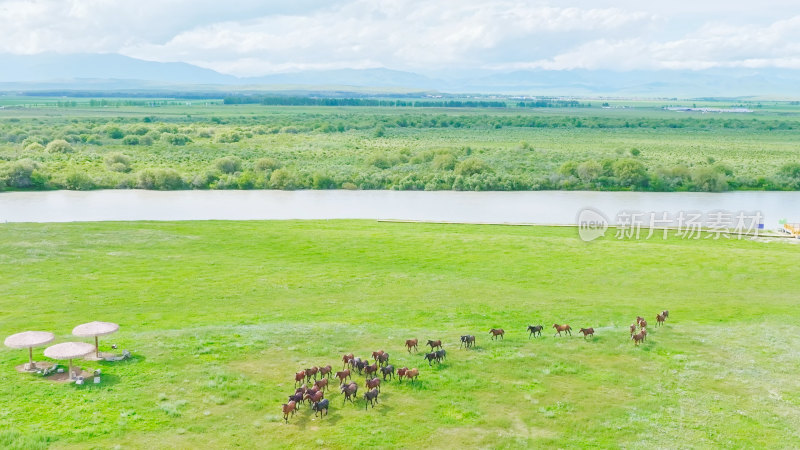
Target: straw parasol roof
(69,350)
(94,329)
(28,339)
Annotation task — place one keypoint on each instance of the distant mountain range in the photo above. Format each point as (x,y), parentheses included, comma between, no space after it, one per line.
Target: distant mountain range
(117,72)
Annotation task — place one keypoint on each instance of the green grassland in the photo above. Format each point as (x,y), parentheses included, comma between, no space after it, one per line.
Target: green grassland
(203,144)
(219,315)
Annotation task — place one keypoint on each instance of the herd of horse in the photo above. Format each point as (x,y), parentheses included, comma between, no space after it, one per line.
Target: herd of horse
(315,395)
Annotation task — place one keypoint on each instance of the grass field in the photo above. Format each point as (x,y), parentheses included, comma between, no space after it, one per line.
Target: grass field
(219,315)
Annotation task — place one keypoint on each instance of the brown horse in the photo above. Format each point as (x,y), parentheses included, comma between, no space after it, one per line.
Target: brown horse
(639,319)
(346,359)
(321,384)
(325,371)
(495,332)
(565,328)
(633,329)
(587,332)
(401,372)
(665,313)
(371,370)
(314,396)
(312,372)
(289,408)
(343,375)
(411,343)
(638,337)
(349,391)
(643,323)
(299,377)
(435,344)
(374,383)
(383,359)
(659,320)
(644,333)
(412,374)
(376,355)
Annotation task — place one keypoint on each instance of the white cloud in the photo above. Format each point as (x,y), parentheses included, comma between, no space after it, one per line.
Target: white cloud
(252,37)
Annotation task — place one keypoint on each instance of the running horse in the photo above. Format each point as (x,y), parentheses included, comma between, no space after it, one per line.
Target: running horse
(565,328)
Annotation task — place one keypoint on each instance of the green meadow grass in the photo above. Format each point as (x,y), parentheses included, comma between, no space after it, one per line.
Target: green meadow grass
(219,316)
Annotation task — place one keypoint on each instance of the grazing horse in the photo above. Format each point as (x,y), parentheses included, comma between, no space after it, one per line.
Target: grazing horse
(411,343)
(434,344)
(371,398)
(387,371)
(532,330)
(325,371)
(300,377)
(659,320)
(320,406)
(638,337)
(633,329)
(376,355)
(346,359)
(374,383)
(412,374)
(440,355)
(665,313)
(288,408)
(383,359)
(349,391)
(371,370)
(321,384)
(643,323)
(343,375)
(312,372)
(401,372)
(587,332)
(430,357)
(565,328)
(497,332)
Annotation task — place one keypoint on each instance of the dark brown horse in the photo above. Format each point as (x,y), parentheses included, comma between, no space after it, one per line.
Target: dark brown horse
(314,397)
(383,359)
(467,341)
(376,355)
(497,332)
(565,328)
(643,323)
(343,375)
(587,332)
(321,384)
(411,343)
(638,337)
(387,371)
(371,370)
(288,408)
(639,319)
(660,320)
(401,372)
(532,330)
(312,373)
(349,391)
(633,329)
(665,313)
(435,344)
(370,398)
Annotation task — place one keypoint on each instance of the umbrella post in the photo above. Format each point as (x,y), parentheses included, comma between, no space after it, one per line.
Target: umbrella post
(96,347)
(70,369)
(30,356)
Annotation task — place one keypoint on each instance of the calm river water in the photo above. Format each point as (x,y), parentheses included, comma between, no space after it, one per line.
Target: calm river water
(539,207)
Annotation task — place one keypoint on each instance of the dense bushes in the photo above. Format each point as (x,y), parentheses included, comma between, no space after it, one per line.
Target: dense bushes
(160,179)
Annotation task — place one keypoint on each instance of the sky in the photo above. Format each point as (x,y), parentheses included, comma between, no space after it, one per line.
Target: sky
(251,37)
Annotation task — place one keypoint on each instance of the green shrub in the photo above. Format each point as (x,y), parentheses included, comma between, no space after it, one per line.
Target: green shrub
(589,171)
(790,170)
(117,162)
(706,179)
(568,169)
(283,179)
(175,139)
(471,166)
(34,147)
(630,173)
(159,179)
(267,164)
(79,181)
(228,164)
(131,140)
(229,137)
(445,161)
(381,161)
(349,186)
(115,132)
(322,181)
(23,174)
(59,146)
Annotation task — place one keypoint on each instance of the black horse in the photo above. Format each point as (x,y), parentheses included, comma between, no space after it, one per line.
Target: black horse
(467,341)
(387,371)
(440,355)
(534,329)
(431,357)
(320,406)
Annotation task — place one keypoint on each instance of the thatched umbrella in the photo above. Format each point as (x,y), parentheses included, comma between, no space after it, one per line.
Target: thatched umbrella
(29,339)
(95,329)
(68,350)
